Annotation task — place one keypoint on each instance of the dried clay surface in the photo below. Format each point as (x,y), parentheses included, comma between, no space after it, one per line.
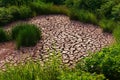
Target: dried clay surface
(73,39)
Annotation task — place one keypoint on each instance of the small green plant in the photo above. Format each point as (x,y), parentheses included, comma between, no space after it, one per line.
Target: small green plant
(25,34)
(3,35)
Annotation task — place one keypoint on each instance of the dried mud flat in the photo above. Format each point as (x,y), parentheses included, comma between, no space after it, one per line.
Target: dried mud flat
(72,39)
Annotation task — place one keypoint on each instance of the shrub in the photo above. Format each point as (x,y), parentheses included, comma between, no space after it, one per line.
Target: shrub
(108,25)
(84,16)
(3,35)
(5,16)
(26,35)
(107,62)
(52,69)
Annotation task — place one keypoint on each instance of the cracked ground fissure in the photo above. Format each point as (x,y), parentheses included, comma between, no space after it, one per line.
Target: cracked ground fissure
(72,38)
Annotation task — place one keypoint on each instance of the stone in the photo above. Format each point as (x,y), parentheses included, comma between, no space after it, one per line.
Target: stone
(66,61)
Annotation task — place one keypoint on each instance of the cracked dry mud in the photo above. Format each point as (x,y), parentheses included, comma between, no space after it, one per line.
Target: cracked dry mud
(72,39)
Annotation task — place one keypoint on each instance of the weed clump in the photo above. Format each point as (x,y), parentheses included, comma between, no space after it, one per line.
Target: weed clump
(26,35)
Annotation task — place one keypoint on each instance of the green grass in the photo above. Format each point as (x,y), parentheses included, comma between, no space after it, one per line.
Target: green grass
(42,8)
(52,69)
(116,34)
(25,35)
(83,15)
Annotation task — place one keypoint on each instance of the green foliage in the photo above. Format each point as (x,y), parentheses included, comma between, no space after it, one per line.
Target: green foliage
(107,62)
(103,8)
(58,2)
(116,12)
(58,10)
(15,2)
(80,75)
(21,12)
(3,35)
(24,12)
(5,16)
(108,25)
(52,69)
(26,35)
(41,8)
(14,11)
(70,3)
(36,7)
(116,34)
(15,30)
(106,8)
(90,5)
(83,15)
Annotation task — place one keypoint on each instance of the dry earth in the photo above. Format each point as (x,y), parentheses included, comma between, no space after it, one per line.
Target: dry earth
(72,38)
